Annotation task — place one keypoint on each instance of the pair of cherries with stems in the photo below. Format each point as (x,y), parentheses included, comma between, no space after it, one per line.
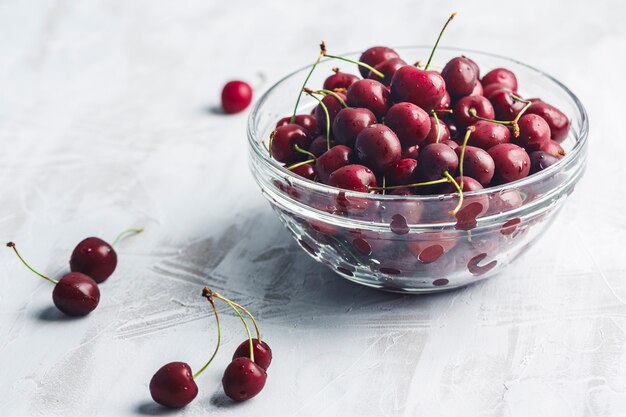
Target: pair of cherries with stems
(174,385)
(92,262)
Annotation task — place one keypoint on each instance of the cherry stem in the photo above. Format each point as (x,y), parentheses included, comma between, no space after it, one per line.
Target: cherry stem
(458,188)
(306,80)
(434,113)
(304,151)
(468,132)
(256,326)
(334,94)
(265,146)
(125,232)
(271,141)
(362,64)
(417,184)
(230,303)
(12,246)
(513,122)
(208,294)
(432,53)
(299,164)
(384,184)
(321,103)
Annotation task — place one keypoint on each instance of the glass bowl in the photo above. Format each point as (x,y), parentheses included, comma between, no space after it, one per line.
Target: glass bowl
(411,243)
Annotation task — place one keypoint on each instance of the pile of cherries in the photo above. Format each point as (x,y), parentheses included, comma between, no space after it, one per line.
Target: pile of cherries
(174,386)
(406,129)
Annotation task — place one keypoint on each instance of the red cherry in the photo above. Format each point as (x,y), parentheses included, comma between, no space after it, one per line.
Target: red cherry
(534,132)
(417,86)
(319,145)
(460,77)
(307,171)
(378,148)
(500,76)
(369,94)
(409,122)
(94,257)
(444,132)
(340,80)
(173,385)
(487,134)
(76,294)
(504,106)
(243,379)
(435,159)
(553,148)
(404,172)
(388,68)
(374,56)
(353,177)
(331,160)
(556,119)
(305,121)
(512,162)
(349,122)
(262,352)
(333,105)
(284,143)
(236,96)
(477,163)
(479,104)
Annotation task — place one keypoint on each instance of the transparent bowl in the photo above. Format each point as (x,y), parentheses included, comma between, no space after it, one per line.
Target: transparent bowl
(411,243)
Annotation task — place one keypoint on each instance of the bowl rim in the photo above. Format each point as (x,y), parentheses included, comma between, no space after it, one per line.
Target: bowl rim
(581,135)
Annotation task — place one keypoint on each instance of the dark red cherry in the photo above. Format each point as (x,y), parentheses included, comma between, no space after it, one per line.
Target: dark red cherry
(404,172)
(94,257)
(487,134)
(410,152)
(480,104)
(467,184)
(504,107)
(305,121)
(435,159)
(556,119)
(475,66)
(330,161)
(262,352)
(420,87)
(340,80)
(378,148)
(451,143)
(319,145)
(534,132)
(349,122)
(500,76)
(540,160)
(374,56)
(333,105)
(444,103)
(444,132)
(512,162)
(489,90)
(478,89)
(173,385)
(243,379)
(460,77)
(236,96)
(477,163)
(285,139)
(307,171)
(353,177)
(409,122)
(553,148)
(76,294)
(388,68)
(369,94)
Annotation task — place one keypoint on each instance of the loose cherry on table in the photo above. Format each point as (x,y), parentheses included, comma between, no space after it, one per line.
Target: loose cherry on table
(236,96)
(75,294)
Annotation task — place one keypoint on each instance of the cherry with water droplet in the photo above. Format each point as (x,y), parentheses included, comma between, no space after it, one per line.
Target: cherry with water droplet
(378,147)
(349,122)
(512,162)
(236,96)
(410,123)
(369,94)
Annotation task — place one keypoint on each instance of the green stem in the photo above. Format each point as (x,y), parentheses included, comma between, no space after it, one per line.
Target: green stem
(12,246)
(207,293)
(432,53)
(299,164)
(334,94)
(256,326)
(306,80)
(434,113)
(417,184)
(362,64)
(304,151)
(125,232)
(271,141)
(458,188)
(321,103)
(230,303)
(468,132)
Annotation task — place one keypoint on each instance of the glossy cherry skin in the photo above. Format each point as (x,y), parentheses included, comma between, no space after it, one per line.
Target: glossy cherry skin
(487,134)
(474,65)
(76,294)
(540,160)
(478,89)
(307,171)
(333,106)
(512,162)
(388,68)
(369,94)
(378,147)
(330,161)
(340,80)
(409,122)
(374,56)
(243,379)
(500,76)
(451,143)
(444,103)
(534,132)
(404,172)
(460,77)
(284,141)
(410,152)
(354,178)
(554,149)
(444,132)
(422,88)
(435,159)
(468,184)
(94,257)
(305,121)
(349,122)
(556,119)
(462,116)
(319,145)
(477,163)
(262,352)
(236,96)
(173,385)
(504,107)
